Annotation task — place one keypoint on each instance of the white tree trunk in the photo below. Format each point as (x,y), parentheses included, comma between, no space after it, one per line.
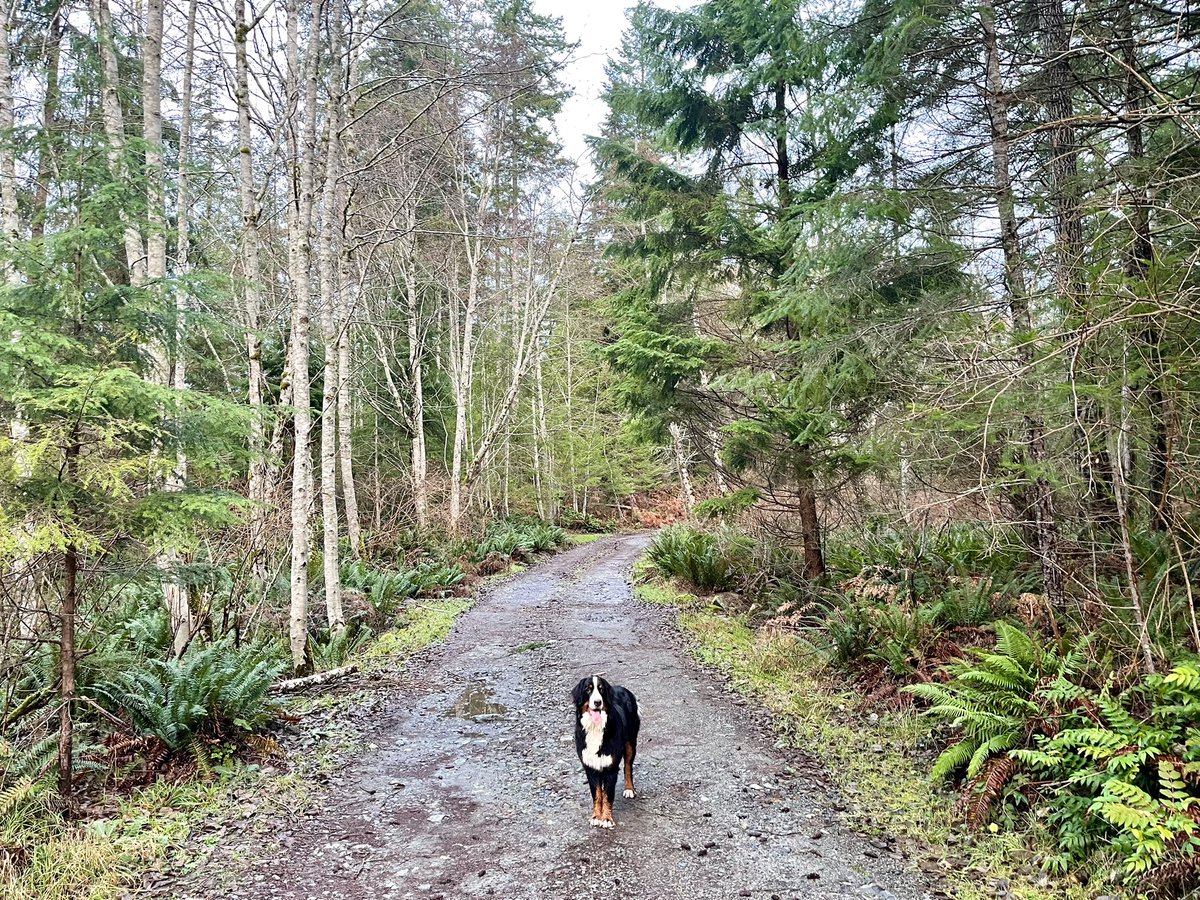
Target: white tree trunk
(299,252)
(175,595)
(682,466)
(114,131)
(10,221)
(328,274)
(461,374)
(416,371)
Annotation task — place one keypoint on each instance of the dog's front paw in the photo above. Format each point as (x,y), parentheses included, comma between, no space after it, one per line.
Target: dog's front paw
(607,823)
(629,794)
(596,822)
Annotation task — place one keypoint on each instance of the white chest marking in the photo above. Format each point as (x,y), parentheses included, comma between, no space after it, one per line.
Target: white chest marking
(591,756)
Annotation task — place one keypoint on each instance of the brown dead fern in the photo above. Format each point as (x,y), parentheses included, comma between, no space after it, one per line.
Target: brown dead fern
(990,785)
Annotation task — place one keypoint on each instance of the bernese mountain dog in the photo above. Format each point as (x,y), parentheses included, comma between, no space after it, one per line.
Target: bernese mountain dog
(607,720)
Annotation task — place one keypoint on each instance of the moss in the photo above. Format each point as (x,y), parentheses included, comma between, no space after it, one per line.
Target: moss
(526,648)
(100,858)
(587,538)
(426,624)
(877,767)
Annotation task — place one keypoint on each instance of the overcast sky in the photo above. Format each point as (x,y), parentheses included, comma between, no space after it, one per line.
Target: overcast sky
(597,26)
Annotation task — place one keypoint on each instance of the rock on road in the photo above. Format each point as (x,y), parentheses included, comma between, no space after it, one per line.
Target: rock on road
(474,789)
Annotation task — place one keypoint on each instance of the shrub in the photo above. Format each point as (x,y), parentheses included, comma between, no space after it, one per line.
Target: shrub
(387,590)
(707,560)
(971,602)
(211,690)
(1103,770)
(332,650)
(851,632)
(24,772)
(586,522)
(992,700)
(967,548)
(514,538)
(1127,770)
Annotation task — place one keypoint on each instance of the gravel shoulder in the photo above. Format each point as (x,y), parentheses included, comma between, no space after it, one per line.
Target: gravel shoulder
(470,786)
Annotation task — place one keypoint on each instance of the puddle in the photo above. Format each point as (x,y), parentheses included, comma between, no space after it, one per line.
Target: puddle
(476,704)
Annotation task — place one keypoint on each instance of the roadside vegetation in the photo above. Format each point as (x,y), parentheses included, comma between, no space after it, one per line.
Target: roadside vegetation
(163,742)
(926,674)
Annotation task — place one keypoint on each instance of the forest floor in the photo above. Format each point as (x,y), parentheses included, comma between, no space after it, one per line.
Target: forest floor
(466,783)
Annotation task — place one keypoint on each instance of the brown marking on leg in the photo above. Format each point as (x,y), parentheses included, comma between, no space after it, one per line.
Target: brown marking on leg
(597,804)
(606,811)
(629,790)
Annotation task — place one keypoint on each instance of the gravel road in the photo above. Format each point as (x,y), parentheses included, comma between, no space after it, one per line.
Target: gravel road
(474,790)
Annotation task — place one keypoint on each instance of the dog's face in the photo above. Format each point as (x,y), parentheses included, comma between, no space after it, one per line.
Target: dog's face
(591,698)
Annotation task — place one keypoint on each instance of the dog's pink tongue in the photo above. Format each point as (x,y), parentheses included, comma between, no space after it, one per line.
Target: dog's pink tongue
(595,714)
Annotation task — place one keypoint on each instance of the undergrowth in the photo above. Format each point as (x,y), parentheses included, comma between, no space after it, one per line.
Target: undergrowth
(199,715)
(880,765)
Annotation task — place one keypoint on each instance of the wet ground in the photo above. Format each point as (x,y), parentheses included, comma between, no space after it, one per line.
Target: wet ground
(474,790)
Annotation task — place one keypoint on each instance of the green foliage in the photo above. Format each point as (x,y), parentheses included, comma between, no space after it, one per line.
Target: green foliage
(964,549)
(709,561)
(1103,771)
(1131,764)
(25,772)
(515,538)
(851,631)
(992,700)
(388,590)
(213,689)
(971,602)
(332,650)
(728,505)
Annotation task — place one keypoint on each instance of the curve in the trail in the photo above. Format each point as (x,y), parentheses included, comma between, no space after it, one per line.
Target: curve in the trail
(475,789)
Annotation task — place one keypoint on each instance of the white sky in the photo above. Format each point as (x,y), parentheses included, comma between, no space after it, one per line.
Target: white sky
(597,26)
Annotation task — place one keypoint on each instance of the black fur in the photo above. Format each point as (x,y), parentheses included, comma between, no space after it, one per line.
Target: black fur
(620,728)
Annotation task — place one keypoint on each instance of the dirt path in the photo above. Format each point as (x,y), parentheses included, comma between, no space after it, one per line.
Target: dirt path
(475,789)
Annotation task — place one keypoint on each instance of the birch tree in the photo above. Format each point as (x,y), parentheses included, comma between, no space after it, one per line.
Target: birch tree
(302,91)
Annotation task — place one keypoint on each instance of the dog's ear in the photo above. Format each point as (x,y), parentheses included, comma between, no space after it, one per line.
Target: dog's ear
(580,692)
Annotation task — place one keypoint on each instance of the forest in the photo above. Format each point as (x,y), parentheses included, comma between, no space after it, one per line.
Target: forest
(877,312)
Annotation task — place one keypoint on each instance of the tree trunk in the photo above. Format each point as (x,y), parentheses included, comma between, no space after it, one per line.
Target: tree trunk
(462,373)
(156,229)
(806,498)
(10,222)
(66,654)
(251,281)
(416,378)
(810,522)
(346,406)
(1136,267)
(328,272)
(114,130)
(47,150)
(1063,168)
(1045,526)
(299,251)
(682,467)
(175,594)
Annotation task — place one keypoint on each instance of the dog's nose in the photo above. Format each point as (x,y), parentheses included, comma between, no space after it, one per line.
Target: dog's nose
(595,704)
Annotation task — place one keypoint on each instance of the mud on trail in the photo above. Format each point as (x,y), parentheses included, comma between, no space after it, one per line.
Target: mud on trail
(474,788)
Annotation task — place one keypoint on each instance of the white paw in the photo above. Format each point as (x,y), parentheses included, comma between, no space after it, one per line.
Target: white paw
(596,823)
(629,795)
(607,823)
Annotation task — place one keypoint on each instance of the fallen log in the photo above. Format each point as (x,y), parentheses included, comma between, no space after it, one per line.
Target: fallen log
(299,684)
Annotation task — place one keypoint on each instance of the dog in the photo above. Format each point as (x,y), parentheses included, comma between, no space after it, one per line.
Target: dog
(607,721)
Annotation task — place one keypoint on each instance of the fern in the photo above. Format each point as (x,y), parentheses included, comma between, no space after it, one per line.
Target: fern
(708,560)
(213,688)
